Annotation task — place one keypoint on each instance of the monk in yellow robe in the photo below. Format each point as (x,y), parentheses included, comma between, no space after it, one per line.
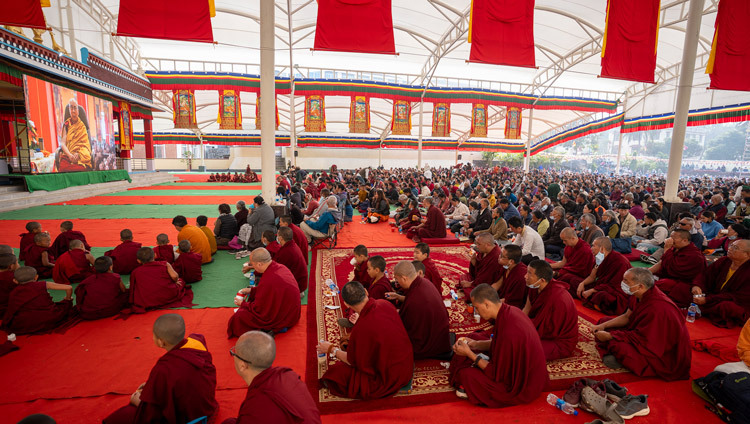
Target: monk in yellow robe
(76,149)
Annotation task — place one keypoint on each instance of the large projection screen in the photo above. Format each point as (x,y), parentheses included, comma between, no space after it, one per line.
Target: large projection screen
(67,130)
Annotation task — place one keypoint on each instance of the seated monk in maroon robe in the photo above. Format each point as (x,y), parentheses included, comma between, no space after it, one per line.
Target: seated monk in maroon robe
(432,227)
(8,265)
(125,255)
(30,307)
(188,265)
(290,256)
(516,371)
(67,234)
(552,310)
(423,313)
(27,238)
(577,261)
(484,267)
(103,294)
(268,238)
(300,239)
(431,273)
(156,285)
(650,338)
(511,286)
(360,266)
(163,251)
(727,287)
(39,256)
(274,394)
(182,384)
(273,305)
(379,359)
(376,271)
(682,266)
(601,290)
(74,265)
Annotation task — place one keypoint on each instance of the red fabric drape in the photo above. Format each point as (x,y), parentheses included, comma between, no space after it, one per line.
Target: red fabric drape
(22,13)
(629,50)
(502,32)
(186,20)
(363,26)
(731,47)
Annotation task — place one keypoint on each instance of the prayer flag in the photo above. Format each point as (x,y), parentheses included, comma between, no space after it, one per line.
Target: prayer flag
(361,26)
(630,40)
(501,32)
(729,63)
(186,20)
(22,13)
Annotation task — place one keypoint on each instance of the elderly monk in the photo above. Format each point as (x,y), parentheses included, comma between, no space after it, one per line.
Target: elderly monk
(511,286)
(379,359)
(30,307)
(601,290)
(681,268)
(67,234)
(274,394)
(432,227)
(380,283)
(552,310)
(431,273)
(74,265)
(182,384)
(650,338)
(515,371)
(75,150)
(273,305)
(125,255)
(290,256)
(300,239)
(422,312)
(198,240)
(156,285)
(577,261)
(103,294)
(726,299)
(484,267)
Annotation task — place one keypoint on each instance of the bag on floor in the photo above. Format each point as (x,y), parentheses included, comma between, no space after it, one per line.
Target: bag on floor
(729,394)
(622,245)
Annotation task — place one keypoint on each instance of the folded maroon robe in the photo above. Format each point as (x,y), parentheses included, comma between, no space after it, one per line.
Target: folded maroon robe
(555,317)
(426,320)
(655,343)
(579,261)
(99,296)
(277,395)
(290,256)
(151,287)
(300,239)
(180,388)
(432,274)
(6,286)
(514,289)
(27,239)
(379,288)
(31,310)
(72,267)
(486,271)
(34,259)
(124,257)
(380,355)
(62,242)
(680,271)
(274,304)
(361,275)
(188,267)
(609,297)
(517,372)
(727,305)
(165,253)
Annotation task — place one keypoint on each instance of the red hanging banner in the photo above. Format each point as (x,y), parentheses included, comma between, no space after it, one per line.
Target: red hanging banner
(441,120)
(630,40)
(22,13)
(360,26)
(186,20)
(513,123)
(126,127)
(729,63)
(501,32)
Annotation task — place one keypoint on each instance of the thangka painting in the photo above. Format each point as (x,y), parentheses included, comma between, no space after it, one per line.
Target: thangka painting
(513,123)
(183,105)
(126,127)
(359,115)
(401,122)
(315,114)
(230,110)
(257,113)
(479,120)
(441,120)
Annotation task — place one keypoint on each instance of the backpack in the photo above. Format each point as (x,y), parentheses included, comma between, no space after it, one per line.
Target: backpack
(729,395)
(245,234)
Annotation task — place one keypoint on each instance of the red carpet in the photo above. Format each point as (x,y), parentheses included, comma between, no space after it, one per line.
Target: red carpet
(190,177)
(152,200)
(218,186)
(371,235)
(99,232)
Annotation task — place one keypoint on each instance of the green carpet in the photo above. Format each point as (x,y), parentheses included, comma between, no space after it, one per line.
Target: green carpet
(62,212)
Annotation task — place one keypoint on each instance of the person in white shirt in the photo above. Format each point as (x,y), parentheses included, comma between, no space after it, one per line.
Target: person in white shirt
(532,246)
(460,212)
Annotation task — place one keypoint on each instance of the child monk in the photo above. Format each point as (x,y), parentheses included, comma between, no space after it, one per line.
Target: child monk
(163,251)
(38,255)
(30,307)
(269,242)
(188,265)
(124,259)
(102,294)
(27,238)
(8,265)
(74,265)
(422,254)
(67,234)
(156,285)
(202,220)
(360,266)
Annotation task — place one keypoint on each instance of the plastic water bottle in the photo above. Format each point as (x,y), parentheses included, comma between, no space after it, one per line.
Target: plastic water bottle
(561,404)
(252,279)
(461,231)
(692,312)
(454,296)
(477,317)
(322,356)
(331,285)
(400,230)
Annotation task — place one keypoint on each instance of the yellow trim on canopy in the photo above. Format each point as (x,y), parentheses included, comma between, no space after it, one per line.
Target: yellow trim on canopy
(212,8)
(606,28)
(45,3)
(656,39)
(712,56)
(471,18)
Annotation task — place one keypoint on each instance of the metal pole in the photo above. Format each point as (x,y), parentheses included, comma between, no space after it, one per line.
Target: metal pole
(419,140)
(684,89)
(527,159)
(380,153)
(71,30)
(267,103)
(293,123)
(619,143)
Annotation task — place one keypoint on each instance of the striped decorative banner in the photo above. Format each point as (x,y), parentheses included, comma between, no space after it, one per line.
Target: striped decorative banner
(213,139)
(708,116)
(593,127)
(174,80)
(505,146)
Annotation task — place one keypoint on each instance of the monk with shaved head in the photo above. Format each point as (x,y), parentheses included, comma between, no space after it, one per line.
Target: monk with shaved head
(577,261)
(274,394)
(30,307)
(156,285)
(8,265)
(181,386)
(726,298)
(67,234)
(681,268)
(601,289)
(484,267)
(74,265)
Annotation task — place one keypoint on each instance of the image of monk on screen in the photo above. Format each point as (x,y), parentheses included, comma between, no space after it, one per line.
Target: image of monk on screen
(75,147)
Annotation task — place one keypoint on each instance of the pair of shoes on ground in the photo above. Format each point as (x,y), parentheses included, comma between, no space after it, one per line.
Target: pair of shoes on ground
(625,408)
(649,259)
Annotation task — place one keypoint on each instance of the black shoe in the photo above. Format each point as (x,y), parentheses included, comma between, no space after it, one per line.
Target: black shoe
(611,362)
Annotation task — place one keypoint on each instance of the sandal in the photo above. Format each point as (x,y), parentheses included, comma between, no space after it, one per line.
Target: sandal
(598,404)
